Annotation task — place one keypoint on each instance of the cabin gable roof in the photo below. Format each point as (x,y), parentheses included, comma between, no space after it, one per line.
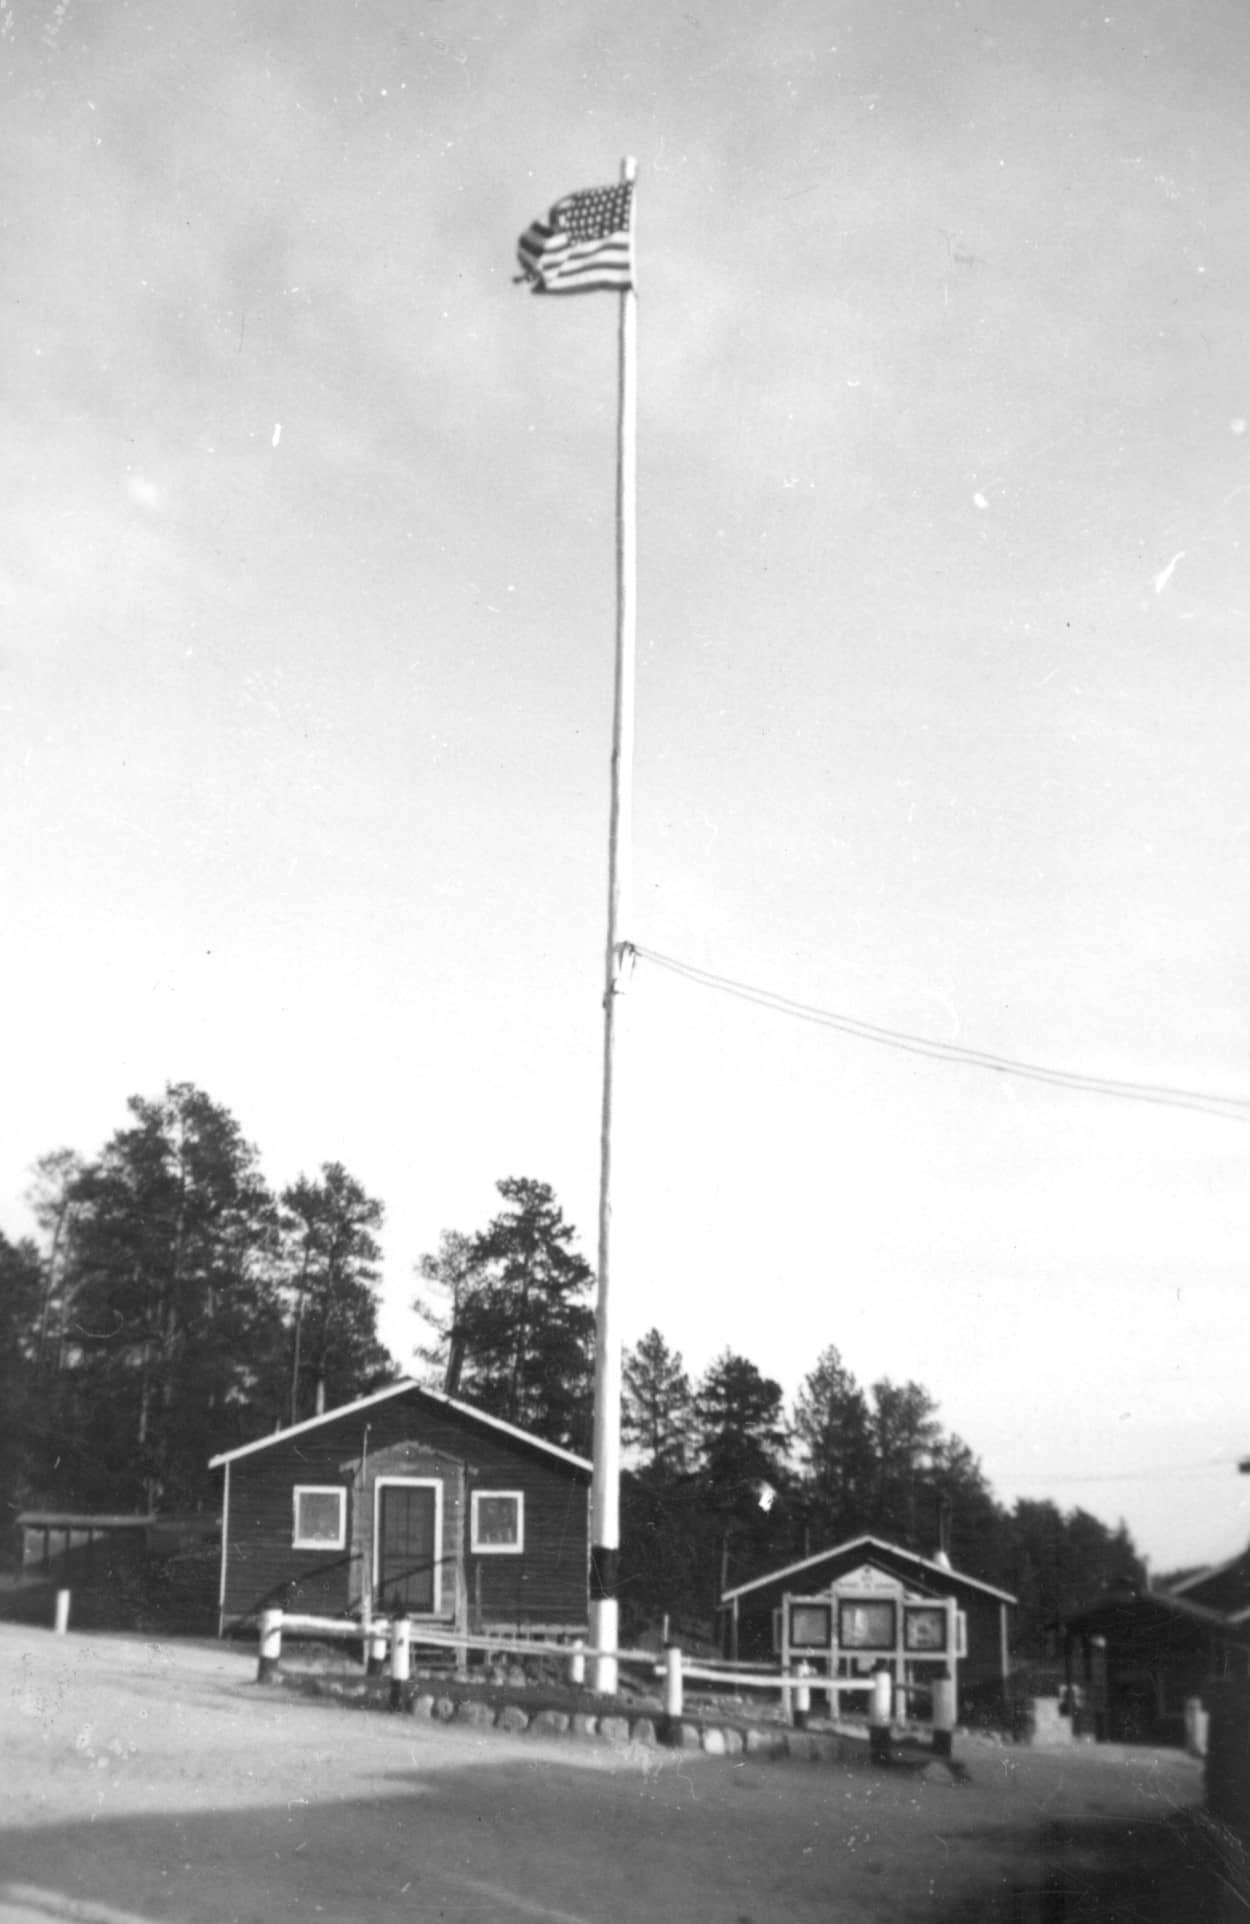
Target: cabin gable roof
(418,1393)
(861,1548)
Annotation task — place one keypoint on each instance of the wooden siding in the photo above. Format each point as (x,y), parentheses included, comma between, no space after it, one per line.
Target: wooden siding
(983,1662)
(407,1437)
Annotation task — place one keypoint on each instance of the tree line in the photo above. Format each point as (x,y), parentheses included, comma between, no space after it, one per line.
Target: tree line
(723,1480)
(174,1306)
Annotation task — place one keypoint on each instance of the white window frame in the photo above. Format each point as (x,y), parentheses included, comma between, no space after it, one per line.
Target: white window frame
(480,1549)
(319,1543)
(434,1483)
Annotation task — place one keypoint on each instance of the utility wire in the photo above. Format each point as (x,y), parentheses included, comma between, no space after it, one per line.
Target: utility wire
(1230,1108)
(1163,1473)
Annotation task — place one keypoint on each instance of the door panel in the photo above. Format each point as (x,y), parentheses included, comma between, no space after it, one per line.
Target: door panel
(407,1546)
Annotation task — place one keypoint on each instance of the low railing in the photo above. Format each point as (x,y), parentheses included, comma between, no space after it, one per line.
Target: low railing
(396,1637)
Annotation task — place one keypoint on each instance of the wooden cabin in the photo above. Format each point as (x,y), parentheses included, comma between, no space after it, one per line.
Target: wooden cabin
(407,1500)
(1138,1657)
(866,1603)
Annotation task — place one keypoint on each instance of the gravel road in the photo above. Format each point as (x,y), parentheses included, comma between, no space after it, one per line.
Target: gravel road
(156,1783)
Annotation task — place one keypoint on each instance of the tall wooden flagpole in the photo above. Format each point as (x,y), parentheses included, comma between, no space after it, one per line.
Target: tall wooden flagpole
(605,1489)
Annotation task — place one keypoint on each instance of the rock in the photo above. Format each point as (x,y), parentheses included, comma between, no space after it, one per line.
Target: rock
(687,1736)
(512,1718)
(614,1730)
(445,1709)
(733,1742)
(550,1723)
(422,1706)
(584,1723)
(765,1743)
(714,1741)
(643,1731)
(472,1712)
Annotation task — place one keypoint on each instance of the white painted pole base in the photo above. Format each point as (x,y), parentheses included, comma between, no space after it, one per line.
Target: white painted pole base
(673,1692)
(801,1697)
(577,1662)
(881,1714)
(943,1714)
(401,1661)
(270,1645)
(604,1636)
(61,1623)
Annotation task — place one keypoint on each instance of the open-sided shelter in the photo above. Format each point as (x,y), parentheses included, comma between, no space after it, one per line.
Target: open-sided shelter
(407,1500)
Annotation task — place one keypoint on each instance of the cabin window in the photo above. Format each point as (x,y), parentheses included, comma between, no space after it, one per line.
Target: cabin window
(320,1517)
(497,1522)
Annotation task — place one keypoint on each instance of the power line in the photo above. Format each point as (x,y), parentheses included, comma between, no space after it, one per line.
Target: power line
(1229,1108)
(1161,1473)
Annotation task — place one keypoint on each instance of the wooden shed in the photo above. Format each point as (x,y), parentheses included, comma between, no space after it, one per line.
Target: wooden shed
(875,1601)
(407,1499)
(1139,1657)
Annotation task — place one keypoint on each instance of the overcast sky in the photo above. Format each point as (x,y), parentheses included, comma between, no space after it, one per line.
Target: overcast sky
(306,593)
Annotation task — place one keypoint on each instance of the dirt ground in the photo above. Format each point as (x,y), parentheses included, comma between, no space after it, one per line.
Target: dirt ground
(156,1783)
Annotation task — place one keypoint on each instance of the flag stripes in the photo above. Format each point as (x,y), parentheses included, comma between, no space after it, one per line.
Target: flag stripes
(585,244)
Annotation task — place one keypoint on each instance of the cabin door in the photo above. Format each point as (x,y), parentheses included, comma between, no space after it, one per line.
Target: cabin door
(408,1545)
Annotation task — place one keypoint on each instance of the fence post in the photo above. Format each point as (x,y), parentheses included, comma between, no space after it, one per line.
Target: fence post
(673,1694)
(880,1713)
(577,1662)
(401,1661)
(801,1696)
(375,1661)
(943,1711)
(61,1623)
(270,1645)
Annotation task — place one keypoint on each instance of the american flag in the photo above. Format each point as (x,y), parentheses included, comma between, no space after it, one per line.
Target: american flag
(583,244)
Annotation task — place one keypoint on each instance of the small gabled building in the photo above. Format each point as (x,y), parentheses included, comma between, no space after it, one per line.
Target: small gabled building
(867,1603)
(1140,1656)
(409,1500)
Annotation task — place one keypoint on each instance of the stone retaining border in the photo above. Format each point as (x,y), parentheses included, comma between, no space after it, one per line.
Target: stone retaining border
(648,1730)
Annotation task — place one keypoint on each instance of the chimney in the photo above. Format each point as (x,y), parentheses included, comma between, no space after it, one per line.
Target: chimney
(945,1508)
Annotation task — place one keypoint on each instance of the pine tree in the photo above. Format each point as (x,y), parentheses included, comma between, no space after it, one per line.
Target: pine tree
(330,1281)
(171,1306)
(833,1430)
(742,1433)
(450,1273)
(23,1428)
(905,1431)
(657,1407)
(519,1321)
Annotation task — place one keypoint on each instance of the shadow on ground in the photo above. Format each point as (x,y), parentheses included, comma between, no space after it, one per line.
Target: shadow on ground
(1175,1870)
(495,1838)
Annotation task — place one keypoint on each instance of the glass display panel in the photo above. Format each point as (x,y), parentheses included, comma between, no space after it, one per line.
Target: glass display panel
(811,1625)
(865,1625)
(924,1627)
